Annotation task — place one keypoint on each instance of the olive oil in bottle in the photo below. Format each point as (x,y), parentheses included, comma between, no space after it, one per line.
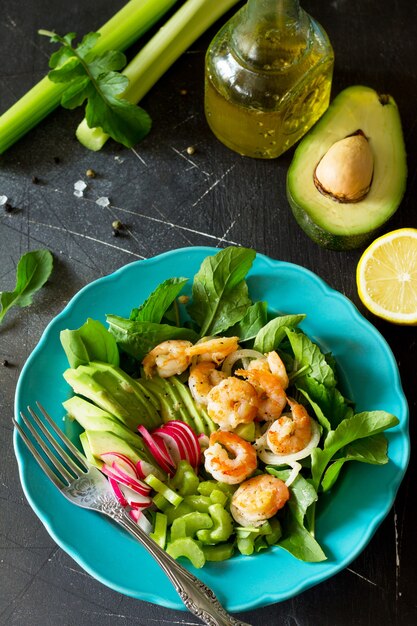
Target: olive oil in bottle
(267,78)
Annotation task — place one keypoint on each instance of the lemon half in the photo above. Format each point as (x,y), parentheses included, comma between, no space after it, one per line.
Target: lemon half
(386,277)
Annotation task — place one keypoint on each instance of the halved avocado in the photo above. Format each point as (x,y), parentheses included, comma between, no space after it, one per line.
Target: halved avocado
(343,225)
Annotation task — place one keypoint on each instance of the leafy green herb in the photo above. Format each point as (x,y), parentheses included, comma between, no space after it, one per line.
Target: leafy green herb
(94,77)
(250,325)
(32,272)
(220,294)
(270,336)
(158,303)
(356,427)
(91,342)
(138,338)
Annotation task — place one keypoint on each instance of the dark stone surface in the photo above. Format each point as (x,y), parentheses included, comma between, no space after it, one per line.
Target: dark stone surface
(169,199)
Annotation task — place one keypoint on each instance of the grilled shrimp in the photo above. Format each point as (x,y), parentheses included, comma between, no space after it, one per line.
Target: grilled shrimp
(215,349)
(258,499)
(232,402)
(203,377)
(229,458)
(167,358)
(290,434)
(272,398)
(272,362)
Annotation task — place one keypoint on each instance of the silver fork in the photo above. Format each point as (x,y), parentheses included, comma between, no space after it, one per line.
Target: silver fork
(85,486)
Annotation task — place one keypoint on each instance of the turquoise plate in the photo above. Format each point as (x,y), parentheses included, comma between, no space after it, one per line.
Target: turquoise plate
(347,518)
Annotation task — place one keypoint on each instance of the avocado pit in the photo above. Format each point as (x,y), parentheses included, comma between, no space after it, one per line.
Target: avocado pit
(345,172)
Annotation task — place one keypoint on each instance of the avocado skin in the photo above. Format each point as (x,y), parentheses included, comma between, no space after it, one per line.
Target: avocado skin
(355,108)
(323,237)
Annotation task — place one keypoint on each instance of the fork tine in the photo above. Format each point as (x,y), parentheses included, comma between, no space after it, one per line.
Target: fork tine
(58,448)
(48,452)
(77,454)
(51,475)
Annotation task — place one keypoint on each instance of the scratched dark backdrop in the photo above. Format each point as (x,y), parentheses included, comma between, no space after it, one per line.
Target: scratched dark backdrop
(168,199)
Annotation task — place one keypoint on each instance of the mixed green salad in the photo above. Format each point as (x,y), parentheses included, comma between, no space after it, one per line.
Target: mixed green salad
(155,438)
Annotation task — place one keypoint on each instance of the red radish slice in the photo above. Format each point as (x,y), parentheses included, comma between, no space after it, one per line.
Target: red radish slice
(123,461)
(129,480)
(133,483)
(158,450)
(141,520)
(184,433)
(117,492)
(134,499)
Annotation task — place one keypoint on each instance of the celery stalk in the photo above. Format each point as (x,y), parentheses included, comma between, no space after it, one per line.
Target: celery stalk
(190,21)
(127,25)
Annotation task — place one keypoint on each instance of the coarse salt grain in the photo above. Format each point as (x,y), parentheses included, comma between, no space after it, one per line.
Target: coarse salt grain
(80,185)
(3,200)
(78,193)
(103,201)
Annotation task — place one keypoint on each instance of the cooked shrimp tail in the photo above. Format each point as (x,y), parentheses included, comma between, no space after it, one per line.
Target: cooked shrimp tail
(167,358)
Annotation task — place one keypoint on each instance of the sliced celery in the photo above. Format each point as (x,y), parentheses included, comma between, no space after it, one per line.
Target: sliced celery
(159,535)
(127,25)
(170,495)
(184,27)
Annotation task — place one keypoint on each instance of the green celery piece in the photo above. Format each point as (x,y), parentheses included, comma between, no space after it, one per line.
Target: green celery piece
(187,525)
(125,27)
(185,480)
(188,548)
(199,503)
(218,552)
(32,272)
(159,534)
(160,487)
(191,20)
(222,526)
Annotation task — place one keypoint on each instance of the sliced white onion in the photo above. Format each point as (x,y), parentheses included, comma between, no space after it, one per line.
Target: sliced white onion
(238,355)
(295,470)
(271,458)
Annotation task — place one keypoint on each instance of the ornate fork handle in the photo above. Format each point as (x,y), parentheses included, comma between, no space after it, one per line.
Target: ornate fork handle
(197,597)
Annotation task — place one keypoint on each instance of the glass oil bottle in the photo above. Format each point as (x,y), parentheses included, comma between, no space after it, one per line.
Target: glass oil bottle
(267,77)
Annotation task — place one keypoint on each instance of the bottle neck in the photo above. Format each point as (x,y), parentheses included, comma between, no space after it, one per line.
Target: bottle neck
(270,34)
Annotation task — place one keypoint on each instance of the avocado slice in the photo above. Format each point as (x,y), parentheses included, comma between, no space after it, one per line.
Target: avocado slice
(343,225)
(91,417)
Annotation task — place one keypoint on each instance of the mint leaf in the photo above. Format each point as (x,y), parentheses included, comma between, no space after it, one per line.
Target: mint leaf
(32,272)
(95,78)
(220,296)
(252,322)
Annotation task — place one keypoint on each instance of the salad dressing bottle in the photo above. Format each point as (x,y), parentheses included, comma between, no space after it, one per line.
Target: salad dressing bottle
(267,77)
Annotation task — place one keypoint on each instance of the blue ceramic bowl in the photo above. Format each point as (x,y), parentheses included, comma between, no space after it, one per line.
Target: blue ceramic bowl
(347,518)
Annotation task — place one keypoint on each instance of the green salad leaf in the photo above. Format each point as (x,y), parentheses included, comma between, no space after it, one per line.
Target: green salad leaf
(158,303)
(270,336)
(137,338)
(255,318)
(32,272)
(91,342)
(220,296)
(358,426)
(94,77)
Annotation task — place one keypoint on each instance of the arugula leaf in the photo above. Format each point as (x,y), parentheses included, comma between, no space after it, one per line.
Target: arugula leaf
(94,78)
(138,338)
(157,304)
(32,272)
(252,322)
(91,342)
(270,336)
(372,450)
(358,426)
(220,294)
